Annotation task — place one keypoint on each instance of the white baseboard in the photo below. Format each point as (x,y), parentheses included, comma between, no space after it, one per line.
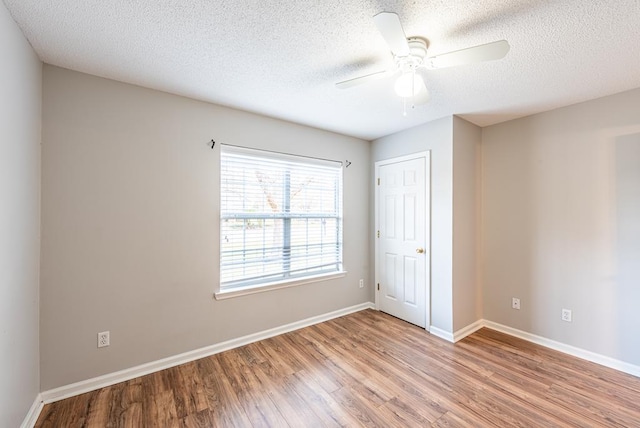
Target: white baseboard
(466,331)
(567,349)
(539,340)
(458,335)
(32,416)
(442,334)
(165,363)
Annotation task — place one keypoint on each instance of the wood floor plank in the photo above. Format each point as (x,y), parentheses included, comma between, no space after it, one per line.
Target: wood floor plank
(159,409)
(326,409)
(358,407)
(386,379)
(399,412)
(290,404)
(366,369)
(452,420)
(188,390)
(257,404)
(198,420)
(230,408)
(538,402)
(317,366)
(594,409)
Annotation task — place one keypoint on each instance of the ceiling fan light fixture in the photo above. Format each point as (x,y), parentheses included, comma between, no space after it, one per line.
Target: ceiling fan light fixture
(408,84)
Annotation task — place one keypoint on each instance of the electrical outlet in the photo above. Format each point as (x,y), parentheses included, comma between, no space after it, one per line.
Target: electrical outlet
(103,339)
(361,283)
(566,315)
(515,303)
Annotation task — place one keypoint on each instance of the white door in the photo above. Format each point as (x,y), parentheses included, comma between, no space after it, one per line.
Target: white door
(402,253)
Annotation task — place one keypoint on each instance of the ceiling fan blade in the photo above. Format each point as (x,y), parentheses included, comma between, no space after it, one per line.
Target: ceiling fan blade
(486,52)
(363,79)
(391,29)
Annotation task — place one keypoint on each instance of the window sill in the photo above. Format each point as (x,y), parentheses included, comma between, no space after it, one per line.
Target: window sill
(222,295)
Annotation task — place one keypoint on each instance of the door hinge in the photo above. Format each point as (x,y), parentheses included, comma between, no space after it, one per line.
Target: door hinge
(378,234)
(378,181)
(378,286)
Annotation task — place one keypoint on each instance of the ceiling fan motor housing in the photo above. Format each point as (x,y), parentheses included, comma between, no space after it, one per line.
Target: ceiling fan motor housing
(417,53)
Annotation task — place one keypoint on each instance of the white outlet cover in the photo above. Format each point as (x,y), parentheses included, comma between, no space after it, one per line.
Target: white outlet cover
(515,303)
(103,339)
(566,315)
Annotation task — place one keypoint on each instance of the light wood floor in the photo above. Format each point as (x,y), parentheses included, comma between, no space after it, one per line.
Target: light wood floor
(366,369)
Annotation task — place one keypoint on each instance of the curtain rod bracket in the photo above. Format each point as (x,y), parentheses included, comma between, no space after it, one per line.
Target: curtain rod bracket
(347,163)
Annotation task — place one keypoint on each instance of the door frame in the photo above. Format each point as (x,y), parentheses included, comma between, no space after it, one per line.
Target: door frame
(426,155)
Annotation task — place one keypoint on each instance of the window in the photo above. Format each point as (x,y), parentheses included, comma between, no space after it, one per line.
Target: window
(281,218)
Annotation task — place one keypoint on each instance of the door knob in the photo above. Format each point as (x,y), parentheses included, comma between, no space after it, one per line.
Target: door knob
(419,250)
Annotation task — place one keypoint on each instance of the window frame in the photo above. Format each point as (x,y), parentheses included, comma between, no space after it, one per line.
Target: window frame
(286,278)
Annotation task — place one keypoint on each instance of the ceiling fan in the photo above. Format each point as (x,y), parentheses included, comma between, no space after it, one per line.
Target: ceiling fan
(411,60)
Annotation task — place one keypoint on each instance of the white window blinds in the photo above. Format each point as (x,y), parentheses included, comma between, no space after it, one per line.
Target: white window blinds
(281,217)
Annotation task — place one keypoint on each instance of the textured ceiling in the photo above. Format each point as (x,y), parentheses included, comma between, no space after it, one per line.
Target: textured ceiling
(282,58)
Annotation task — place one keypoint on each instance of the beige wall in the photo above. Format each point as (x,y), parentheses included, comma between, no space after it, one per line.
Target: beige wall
(20,100)
(130,218)
(436,137)
(561,210)
(467,292)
